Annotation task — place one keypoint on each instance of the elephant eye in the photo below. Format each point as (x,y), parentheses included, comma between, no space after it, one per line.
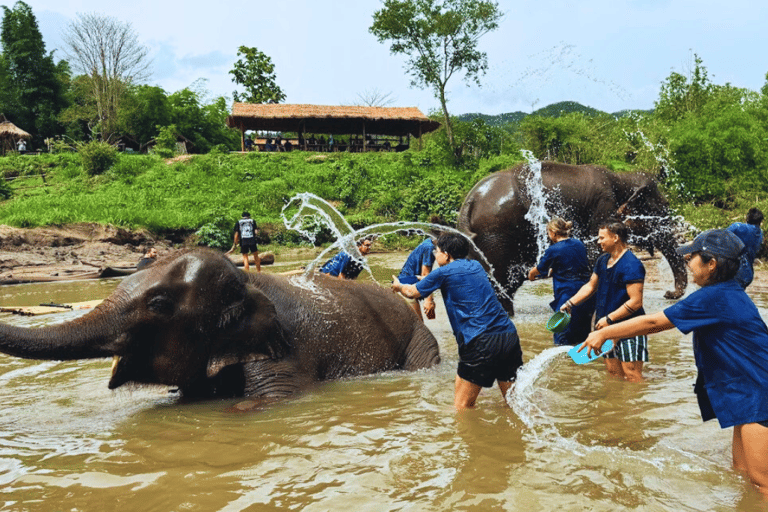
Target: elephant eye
(161,305)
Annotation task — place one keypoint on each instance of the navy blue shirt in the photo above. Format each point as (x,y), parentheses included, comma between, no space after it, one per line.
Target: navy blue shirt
(570,269)
(421,255)
(612,283)
(342,263)
(752,236)
(730,344)
(470,301)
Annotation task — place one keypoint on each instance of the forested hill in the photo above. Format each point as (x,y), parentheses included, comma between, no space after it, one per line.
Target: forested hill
(553,110)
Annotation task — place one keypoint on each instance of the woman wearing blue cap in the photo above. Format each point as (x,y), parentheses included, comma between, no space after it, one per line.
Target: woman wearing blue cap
(730,344)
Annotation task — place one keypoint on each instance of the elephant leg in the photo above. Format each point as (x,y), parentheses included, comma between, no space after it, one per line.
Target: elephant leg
(677,264)
(422,351)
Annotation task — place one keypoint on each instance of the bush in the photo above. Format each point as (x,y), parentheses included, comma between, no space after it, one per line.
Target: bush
(97,157)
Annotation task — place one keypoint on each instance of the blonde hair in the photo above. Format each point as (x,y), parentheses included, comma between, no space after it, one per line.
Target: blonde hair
(560,227)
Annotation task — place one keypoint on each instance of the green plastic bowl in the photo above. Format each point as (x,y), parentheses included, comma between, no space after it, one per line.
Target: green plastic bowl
(558,322)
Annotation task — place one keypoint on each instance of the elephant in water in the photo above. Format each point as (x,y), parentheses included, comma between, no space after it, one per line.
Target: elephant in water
(494,215)
(198,323)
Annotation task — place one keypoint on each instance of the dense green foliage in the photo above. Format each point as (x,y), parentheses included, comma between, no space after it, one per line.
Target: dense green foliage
(31,84)
(97,157)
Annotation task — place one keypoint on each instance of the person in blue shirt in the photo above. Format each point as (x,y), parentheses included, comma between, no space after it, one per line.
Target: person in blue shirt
(489,348)
(567,263)
(752,237)
(730,346)
(617,284)
(419,263)
(344,266)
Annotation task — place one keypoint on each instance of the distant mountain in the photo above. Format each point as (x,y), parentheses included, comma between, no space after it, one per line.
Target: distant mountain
(553,110)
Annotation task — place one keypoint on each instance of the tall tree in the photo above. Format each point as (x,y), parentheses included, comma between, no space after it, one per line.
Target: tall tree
(256,73)
(440,39)
(33,92)
(108,52)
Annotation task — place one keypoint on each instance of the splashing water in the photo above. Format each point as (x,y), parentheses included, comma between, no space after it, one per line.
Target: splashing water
(537,212)
(308,204)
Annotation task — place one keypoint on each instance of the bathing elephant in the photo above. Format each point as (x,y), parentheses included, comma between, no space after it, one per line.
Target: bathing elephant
(198,323)
(494,215)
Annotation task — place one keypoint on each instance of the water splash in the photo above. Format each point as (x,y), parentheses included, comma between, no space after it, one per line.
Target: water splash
(537,211)
(308,204)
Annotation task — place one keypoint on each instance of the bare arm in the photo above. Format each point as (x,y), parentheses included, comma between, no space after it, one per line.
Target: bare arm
(533,274)
(634,303)
(583,294)
(645,324)
(407,290)
(429,302)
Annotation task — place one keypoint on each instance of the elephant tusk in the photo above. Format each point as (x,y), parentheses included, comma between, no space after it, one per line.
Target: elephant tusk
(115,362)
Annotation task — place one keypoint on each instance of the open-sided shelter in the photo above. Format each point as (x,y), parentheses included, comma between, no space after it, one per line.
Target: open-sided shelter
(335,120)
(10,134)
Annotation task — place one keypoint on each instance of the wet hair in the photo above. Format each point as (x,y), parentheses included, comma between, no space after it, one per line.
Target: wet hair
(455,246)
(725,268)
(754,216)
(560,227)
(617,228)
(362,240)
(246,214)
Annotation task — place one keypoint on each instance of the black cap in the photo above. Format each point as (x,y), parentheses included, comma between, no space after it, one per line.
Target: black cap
(718,242)
(246,214)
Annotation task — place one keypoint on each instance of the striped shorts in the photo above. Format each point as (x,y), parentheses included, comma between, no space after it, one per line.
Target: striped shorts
(629,350)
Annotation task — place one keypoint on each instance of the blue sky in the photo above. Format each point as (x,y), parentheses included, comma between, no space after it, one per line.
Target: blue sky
(608,54)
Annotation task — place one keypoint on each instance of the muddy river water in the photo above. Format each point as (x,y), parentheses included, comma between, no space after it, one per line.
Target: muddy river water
(575,439)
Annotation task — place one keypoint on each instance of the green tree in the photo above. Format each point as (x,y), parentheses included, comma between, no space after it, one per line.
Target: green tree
(202,123)
(682,94)
(145,108)
(33,93)
(440,39)
(256,73)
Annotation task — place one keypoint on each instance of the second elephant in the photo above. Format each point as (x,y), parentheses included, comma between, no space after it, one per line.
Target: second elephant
(494,215)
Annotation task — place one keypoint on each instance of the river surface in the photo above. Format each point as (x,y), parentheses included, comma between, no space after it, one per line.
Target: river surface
(575,439)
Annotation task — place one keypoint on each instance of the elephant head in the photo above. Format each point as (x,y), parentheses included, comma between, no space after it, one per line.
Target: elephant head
(178,323)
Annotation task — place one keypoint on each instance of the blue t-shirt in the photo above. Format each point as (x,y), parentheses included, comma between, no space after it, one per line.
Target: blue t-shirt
(421,256)
(730,344)
(752,236)
(570,269)
(612,283)
(342,263)
(470,301)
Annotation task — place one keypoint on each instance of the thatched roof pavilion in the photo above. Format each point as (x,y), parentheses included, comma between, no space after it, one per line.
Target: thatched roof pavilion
(9,132)
(336,120)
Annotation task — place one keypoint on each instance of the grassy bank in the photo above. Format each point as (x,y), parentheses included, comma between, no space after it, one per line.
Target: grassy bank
(210,191)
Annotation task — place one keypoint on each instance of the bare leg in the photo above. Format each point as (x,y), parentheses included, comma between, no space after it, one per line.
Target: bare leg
(504,386)
(466,393)
(633,371)
(614,367)
(750,453)
(245,262)
(257,261)
(415,306)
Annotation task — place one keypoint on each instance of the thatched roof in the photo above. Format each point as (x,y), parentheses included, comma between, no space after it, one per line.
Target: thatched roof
(8,130)
(330,119)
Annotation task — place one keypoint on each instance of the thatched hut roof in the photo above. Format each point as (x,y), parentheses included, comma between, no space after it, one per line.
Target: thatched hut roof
(8,130)
(330,119)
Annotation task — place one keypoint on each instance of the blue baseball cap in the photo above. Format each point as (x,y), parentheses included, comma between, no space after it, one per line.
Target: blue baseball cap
(718,242)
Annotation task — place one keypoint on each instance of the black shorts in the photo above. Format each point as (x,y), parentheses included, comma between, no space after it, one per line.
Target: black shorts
(490,357)
(248,246)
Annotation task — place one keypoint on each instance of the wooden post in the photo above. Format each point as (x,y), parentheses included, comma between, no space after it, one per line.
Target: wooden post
(242,139)
(365,141)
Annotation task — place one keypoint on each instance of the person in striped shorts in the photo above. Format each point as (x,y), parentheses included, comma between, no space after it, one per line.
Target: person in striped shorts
(617,283)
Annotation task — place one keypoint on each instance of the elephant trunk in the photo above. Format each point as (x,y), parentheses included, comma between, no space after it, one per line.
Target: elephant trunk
(91,336)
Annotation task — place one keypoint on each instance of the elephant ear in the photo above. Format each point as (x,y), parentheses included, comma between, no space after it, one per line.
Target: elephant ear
(250,331)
